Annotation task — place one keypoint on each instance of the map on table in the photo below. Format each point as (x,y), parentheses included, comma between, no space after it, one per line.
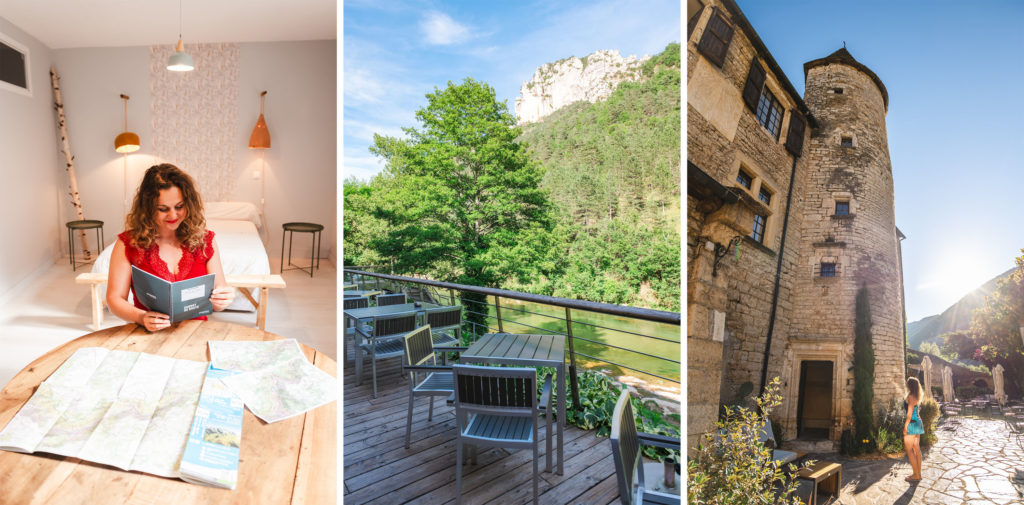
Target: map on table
(277,381)
(126,409)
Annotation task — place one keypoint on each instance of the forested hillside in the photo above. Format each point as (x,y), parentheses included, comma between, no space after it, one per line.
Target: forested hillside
(583,205)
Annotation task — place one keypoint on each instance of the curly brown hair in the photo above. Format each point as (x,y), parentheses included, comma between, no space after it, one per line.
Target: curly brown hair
(141,221)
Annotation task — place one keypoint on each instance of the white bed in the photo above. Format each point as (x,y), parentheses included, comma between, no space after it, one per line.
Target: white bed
(237,227)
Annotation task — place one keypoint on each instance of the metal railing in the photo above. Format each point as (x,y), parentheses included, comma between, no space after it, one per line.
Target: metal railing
(441,291)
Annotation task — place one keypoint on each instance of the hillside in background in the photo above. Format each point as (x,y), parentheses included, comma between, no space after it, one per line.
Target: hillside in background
(612,172)
(956,317)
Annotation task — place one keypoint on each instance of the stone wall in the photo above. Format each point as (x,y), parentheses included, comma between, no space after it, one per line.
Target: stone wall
(728,311)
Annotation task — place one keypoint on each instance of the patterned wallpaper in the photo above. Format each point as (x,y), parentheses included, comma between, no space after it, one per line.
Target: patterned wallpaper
(195,115)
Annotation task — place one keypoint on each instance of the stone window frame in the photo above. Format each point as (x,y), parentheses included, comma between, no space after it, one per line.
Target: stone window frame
(768,211)
(853,140)
(836,90)
(840,196)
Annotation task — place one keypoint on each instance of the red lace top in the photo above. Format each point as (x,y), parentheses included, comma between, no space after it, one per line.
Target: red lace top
(192,263)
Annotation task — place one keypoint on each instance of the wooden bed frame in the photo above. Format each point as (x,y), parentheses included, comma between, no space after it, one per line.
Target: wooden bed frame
(263,282)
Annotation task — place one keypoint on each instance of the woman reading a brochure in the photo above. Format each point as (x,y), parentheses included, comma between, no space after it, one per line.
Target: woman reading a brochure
(165,237)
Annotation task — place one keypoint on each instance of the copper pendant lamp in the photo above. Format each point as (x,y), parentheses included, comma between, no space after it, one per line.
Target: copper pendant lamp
(126,142)
(260,138)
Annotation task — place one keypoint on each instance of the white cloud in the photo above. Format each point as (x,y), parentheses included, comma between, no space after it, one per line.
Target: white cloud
(440,29)
(361,167)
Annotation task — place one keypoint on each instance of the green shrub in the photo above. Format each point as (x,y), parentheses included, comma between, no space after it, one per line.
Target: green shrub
(889,442)
(732,467)
(968,392)
(928,410)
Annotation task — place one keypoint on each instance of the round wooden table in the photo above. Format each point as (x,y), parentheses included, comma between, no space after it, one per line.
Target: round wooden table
(288,462)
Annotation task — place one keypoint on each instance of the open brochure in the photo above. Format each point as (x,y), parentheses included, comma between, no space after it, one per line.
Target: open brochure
(186,299)
(214,442)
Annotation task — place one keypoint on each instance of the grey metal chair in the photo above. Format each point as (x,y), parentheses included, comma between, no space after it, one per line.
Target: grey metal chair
(629,468)
(446,324)
(421,359)
(382,341)
(497,407)
(395,299)
(350,323)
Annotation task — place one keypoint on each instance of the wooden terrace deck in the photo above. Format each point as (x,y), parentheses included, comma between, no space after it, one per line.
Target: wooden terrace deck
(379,469)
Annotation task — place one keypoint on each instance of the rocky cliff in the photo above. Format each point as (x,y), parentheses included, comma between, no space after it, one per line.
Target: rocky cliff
(591,78)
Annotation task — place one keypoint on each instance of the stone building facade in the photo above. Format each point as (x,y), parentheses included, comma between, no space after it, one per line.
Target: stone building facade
(789,214)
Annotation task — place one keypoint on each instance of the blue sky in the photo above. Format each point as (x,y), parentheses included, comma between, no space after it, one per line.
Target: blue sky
(397,52)
(955,77)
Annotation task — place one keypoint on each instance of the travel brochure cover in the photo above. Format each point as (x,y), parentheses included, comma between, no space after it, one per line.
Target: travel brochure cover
(187,299)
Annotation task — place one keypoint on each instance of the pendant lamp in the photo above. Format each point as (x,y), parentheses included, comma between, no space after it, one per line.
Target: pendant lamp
(126,142)
(260,139)
(180,61)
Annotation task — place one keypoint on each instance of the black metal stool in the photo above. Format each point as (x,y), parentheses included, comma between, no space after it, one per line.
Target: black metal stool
(290,229)
(85,224)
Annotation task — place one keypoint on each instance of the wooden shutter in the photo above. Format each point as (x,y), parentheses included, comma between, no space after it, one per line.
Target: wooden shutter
(755,82)
(715,41)
(795,135)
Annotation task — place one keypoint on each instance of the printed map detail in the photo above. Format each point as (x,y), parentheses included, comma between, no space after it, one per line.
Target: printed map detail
(126,409)
(284,390)
(249,356)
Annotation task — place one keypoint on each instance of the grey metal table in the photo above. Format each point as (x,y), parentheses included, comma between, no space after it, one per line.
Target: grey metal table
(290,229)
(526,350)
(361,292)
(82,225)
(381,310)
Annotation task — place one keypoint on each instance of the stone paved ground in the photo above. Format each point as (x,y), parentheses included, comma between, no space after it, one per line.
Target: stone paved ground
(977,462)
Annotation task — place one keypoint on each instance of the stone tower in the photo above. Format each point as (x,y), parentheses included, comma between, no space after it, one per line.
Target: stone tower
(848,240)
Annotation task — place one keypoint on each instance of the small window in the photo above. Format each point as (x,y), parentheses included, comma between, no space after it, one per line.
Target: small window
(838,91)
(828,269)
(842,208)
(758,232)
(846,141)
(765,196)
(769,113)
(744,179)
(14,66)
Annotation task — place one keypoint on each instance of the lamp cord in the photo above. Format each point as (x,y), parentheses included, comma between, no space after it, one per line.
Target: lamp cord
(179,19)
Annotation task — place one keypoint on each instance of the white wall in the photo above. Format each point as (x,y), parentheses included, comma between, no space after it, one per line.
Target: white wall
(30,171)
(300,113)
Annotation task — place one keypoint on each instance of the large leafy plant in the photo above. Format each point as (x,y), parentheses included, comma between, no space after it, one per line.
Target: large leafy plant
(731,466)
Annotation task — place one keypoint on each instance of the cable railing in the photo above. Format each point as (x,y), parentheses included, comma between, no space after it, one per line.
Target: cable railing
(481,315)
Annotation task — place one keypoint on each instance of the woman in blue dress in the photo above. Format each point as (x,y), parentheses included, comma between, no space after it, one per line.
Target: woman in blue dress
(913,428)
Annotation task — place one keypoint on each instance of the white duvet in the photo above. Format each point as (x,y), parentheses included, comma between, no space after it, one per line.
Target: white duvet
(241,252)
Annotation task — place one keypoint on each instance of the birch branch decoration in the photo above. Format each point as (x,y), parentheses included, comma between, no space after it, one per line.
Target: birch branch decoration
(69,160)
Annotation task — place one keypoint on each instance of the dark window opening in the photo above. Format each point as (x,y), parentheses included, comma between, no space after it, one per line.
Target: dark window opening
(744,179)
(765,196)
(828,269)
(838,91)
(758,232)
(769,113)
(842,208)
(13,67)
(846,142)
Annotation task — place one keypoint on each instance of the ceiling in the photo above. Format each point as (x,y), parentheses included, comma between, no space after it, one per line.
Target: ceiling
(63,24)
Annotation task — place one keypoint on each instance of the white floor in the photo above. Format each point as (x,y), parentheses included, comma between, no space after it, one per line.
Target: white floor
(53,310)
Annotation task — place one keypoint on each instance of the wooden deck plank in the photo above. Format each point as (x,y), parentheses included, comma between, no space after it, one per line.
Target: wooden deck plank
(379,469)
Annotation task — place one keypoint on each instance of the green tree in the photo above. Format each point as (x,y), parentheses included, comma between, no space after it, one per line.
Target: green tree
(994,337)
(459,195)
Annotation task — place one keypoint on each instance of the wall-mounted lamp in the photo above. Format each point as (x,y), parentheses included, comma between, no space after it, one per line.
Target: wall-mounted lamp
(260,139)
(126,142)
(180,61)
